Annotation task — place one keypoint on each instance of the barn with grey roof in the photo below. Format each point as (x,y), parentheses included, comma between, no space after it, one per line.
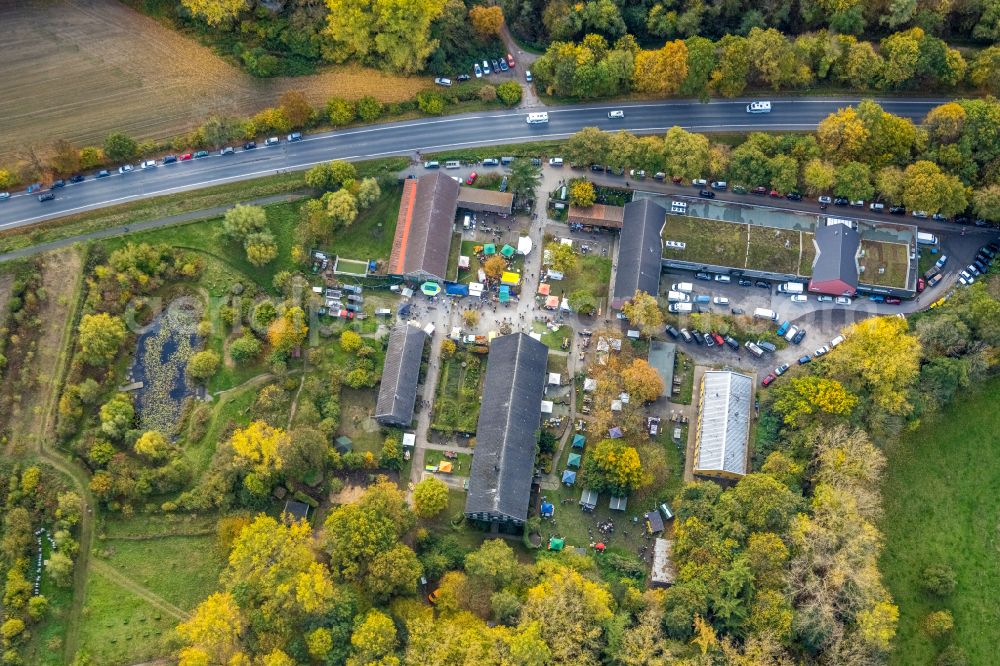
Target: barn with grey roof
(398,392)
(509,419)
(640,251)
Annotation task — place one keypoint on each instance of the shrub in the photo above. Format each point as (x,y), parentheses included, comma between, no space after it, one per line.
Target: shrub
(369,109)
(120,147)
(431,103)
(488,93)
(939,623)
(340,111)
(509,93)
(939,580)
(952,656)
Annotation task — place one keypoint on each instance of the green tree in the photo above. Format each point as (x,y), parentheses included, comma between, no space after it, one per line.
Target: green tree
(245,348)
(854,181)
(685,153)
(342,208)
(117,415)
(202,365)
(152,445)
(819,176)
(431,103)
(368,193)
(523,177)
(784,173)
(101,336)
(889,183)
(927,188)
(242,221)
(430,497)
(729,78)
(562,257)
(986,203)
(394,571)
(369,109)
(588,146)
(583,302)
(261,248)
(120,147)
(495,563)
(374,637)
(571,612)
(378,32)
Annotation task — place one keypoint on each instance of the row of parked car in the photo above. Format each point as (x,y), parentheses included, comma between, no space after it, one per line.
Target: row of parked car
(807,358)
(49,194)
(979,266)
(498,65)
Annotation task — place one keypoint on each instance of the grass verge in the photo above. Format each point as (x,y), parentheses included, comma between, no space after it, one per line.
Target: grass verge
(941,508)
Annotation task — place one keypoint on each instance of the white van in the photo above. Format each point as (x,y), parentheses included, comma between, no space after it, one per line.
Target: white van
(555,161)
(791,288)
(924,238)
(538,118)
(432,165)
(685,287)
(467,222)
(754,349)
(680,308)
(383,312)
(764,313)
(616,114)
(452,164)
(759,107)
(677,297)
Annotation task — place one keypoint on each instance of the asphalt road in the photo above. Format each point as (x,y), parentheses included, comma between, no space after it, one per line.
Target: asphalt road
(427,135)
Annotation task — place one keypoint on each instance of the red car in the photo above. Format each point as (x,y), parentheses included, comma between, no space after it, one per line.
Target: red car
(767,380)
(718,339)
(759,190)
(776,194)
(510,60)
(472,178)
(185,157)
(892,300)
(920,284)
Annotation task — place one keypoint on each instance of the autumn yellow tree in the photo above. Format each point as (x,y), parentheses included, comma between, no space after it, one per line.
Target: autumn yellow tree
(581,193)
(561,257)
(880,358)
(494,267)
(374,637)
(662,71)
(843,135)
(809,394)
(486,21)
(215,12)
(260,449)
(288,331)
(213,632)
(571,611)
(614,467)
(641,380)
(153,445)
(430,497)
(643,311)
(101,337)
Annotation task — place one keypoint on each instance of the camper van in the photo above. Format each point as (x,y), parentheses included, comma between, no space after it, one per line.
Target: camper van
(759,107)
(791,288)
(924,238)
(452,164)
(538,118)
(764,313)
(680,308)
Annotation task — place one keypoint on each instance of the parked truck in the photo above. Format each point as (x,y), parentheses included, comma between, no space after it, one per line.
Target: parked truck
(764,313)
(791,288)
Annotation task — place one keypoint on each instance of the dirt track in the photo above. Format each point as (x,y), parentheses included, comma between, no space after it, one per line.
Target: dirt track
(78,69)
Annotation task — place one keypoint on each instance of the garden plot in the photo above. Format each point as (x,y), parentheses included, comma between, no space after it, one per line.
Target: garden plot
(884,264)
(162,353)
(456,405)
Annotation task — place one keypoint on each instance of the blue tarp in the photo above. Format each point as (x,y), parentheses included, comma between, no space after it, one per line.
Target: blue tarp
(547,509)
(615,433)
(457,290)
(569,477)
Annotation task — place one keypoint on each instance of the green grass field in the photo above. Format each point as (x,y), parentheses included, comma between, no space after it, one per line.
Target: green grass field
(942,506)
(776,249)
(370,235)
(593,275)
(456,401)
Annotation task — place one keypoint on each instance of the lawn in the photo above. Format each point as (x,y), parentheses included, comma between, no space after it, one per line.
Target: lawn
(885,264)
(808,253)
(181,569)
(708,241)
(233,409)
(593,275)
(773,249)
(553,339)
(941,506)
(461,464)
(120,628)
(456,402)
(357,406)
(208,237)
(370,235)
(683,370)
(45,647)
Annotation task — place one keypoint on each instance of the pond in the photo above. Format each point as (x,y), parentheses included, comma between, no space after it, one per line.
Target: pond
(162,352)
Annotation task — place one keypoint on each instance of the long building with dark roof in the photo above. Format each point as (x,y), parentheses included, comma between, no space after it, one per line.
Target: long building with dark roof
(423,227)
(509,419)
(397,393)
(640,251)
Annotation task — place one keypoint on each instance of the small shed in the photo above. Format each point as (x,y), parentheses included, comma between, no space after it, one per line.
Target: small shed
(664,572)
(618,503)
(548,509)
(343,444)
(569,477)
(589,385)
(654,522)
(547,406)
(588,499)
(574,460)
(578,441)
(296,511)
(555,379)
